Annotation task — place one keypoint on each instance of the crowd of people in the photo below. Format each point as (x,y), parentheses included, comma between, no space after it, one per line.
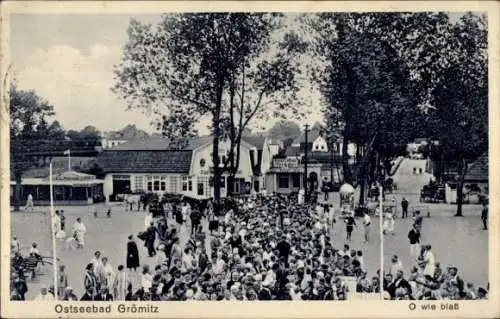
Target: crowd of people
(260,248)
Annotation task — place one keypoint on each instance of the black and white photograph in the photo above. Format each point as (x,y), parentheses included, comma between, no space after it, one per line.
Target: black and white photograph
(248,156)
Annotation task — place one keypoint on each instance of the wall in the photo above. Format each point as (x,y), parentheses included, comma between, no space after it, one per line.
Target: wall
(197,171)
(139,182)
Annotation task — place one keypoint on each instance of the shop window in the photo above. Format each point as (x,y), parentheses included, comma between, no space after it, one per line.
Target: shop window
(283,181)
(172,185)
(296,180)
(139,183)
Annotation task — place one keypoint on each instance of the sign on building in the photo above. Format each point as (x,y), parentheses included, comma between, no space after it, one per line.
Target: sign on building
(286,163)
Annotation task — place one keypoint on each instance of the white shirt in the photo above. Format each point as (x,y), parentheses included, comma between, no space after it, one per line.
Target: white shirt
(147,221)
(396,266)
(146,281)
(367,220)
(219,266)
(430,265)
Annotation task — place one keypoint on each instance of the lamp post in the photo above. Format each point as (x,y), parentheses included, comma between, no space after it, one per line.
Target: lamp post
(306,191)
(381,234)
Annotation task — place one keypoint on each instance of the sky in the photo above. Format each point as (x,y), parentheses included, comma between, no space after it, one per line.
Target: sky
(68,60)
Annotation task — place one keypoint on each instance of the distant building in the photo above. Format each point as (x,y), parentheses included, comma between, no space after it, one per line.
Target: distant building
(316,142)
(127,134)
(69,187)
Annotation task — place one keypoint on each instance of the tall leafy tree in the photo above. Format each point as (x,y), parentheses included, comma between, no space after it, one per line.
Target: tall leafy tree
(364,83)
(460,97)
(28,124)
(203,64)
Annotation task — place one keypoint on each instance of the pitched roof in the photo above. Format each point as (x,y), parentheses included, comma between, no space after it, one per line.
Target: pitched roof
(255,140)
(314,132)
(152,144)
(145,161)
(478,171)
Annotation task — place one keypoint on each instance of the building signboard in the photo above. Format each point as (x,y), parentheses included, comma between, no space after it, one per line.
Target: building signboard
(286,163)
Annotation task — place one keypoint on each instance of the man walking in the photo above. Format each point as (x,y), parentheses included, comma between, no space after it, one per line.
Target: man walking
(29,202)
(484,216)
(414,237)
(404,206)
(367,221)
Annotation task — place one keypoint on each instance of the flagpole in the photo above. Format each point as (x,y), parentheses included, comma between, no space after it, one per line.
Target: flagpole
(69,160)
(53,229)
(381,233)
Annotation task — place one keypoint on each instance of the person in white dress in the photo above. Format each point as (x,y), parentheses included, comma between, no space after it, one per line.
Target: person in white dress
(367,221)
(146,278)
(79,231)
(15,245)
(388,223)
(108,274)
(147,220)
(96,261)
(430,262)
(29,202)
(301,196)
(121,284)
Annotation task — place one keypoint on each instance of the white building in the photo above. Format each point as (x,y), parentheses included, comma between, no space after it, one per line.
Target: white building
(152,166)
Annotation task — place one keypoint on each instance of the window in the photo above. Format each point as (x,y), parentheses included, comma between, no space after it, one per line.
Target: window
(317,147)
(296,180)
(185,183)
(283,181)
(236,186)
(322,147)
(190,185)
(222,182)
(202,184)
(150,183)
(156,185)
(202,162)
(139,183)
(173,185)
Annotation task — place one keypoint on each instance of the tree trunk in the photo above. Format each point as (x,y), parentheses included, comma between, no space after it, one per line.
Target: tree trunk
(215,149)
(462,170)
(17,190)
(362,188)
(345,157)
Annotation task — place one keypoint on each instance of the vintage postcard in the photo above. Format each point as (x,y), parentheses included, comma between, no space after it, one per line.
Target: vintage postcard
(250,159)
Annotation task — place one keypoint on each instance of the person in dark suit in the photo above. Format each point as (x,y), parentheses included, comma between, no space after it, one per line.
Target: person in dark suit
(484,216)
(132,254)
(103,295)
(150,239)
(399,282)
(414,237)
(404,206)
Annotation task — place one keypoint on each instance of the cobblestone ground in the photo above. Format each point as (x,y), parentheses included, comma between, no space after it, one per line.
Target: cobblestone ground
(455,241)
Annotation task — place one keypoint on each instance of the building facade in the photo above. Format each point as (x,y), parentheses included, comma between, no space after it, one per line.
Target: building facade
(152,166)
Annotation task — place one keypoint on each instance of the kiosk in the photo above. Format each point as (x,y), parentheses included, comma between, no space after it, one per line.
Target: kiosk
(346,193)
